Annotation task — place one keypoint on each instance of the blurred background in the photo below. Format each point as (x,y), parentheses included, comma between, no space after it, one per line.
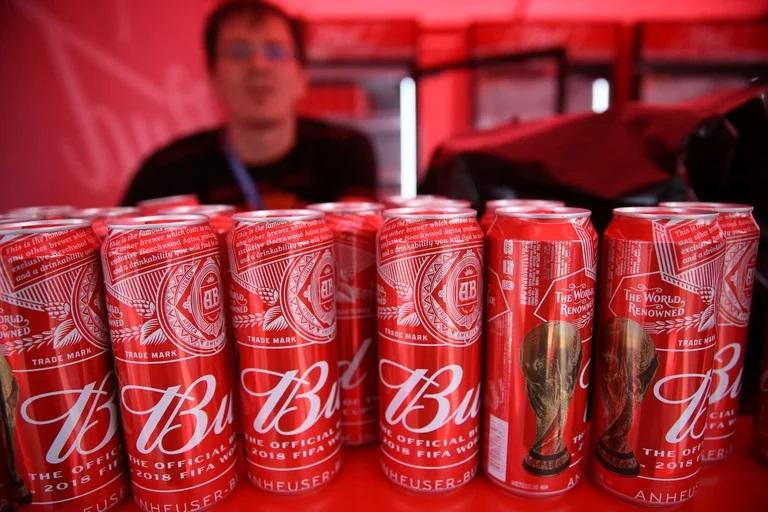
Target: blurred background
(91,87)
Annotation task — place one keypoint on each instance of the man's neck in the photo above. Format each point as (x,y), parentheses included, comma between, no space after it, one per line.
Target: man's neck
(261,144)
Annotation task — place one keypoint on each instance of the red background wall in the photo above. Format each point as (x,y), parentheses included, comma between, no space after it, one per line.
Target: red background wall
(89,87)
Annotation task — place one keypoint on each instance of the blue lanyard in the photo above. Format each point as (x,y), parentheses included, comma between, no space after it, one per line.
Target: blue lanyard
(244,180)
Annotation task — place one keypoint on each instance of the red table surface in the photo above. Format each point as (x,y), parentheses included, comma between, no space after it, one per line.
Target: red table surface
(739,484)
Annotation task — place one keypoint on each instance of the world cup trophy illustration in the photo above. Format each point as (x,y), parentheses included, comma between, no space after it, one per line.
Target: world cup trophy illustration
(629,362)
(550,357)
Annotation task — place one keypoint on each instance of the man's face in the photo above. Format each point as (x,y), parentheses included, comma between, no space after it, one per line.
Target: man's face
(257,75)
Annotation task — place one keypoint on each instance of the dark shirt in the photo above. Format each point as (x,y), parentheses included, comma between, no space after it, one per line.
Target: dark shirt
(326,163)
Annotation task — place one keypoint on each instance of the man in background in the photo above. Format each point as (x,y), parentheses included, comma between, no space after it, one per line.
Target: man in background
(265,156)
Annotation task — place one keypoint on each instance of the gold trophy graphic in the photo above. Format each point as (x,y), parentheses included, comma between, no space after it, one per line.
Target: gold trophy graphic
(629,362)
(551,358)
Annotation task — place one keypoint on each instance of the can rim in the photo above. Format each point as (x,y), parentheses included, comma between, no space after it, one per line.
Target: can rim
(401,199)
(138,222)
(41,225)
(555,212)
(656,212)
(155,200)
(198,209)
(494,204)
(104,211)
(429,213)
(438,202)
(350,207)
(710,206)
(284,215)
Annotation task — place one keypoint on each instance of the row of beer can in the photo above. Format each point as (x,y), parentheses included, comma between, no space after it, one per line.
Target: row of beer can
(348,325)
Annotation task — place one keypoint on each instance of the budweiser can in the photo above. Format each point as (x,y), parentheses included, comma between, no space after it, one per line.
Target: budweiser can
(430,280)
(742,236)
(42,212)
(163,280)
(59,413)
(542,265)
(662,275)
(156,204)
(99,216)
(284,316)
(401,201)
(760,429)
(488,216)
(354,227)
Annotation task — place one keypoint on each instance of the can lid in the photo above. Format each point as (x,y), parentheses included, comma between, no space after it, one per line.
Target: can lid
(401,200)
(41,226)
(539,212)
(351,207)
(437,202)
(503,203)
(155,221)
(58,209)
(657,212)
(713,206)
(165,199)
(430,213)
(200,209)
(277,216)
(108,211)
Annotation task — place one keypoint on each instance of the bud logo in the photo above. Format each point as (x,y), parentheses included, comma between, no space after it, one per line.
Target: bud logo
(172,410)
(291,403)
(671,390)
(326,288)
(467,295)
(418,394)
(725,384)
(351,377)
(309,295)
(91,414)
(211,298)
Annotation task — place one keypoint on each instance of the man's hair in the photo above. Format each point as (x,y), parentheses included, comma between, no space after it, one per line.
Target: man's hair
(255,10)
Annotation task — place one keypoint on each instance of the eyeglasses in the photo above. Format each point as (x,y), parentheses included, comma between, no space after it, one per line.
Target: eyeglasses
(245,51)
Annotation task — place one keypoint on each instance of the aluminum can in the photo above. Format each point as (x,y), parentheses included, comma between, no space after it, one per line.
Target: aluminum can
(354,226)
(430,285)
(662,271)
(742,237)
(99,216)
(540,287)
(486,219)
(174,365)
(283,303)
(154,205)
(61,438)
(42,212)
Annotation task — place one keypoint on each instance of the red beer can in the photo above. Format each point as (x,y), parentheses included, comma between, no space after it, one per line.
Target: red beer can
(760,429)
(154,205)
(283,306)
(486,219)
(742,236)
(354,226)
(174,366)
(542,265)
(657,337)
(99,216)
(430,283)
(42,212)
(59,412)
(401,201)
